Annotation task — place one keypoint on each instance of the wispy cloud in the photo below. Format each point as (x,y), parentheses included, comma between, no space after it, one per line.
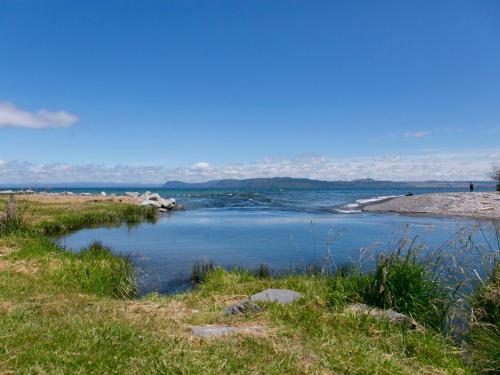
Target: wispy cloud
(435,166)
(416,134)
(14,117)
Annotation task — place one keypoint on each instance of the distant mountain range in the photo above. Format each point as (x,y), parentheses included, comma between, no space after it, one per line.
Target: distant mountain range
(305,183)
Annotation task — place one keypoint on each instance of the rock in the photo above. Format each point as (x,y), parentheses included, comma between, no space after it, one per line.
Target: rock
(85,194)
(132,194)
(282,296)
(155,200)
(207,331)
(168,203)
(154,197)
(243,307)
(150,203)
(392,315)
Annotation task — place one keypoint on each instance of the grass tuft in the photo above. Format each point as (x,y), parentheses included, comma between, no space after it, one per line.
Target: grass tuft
(484,332)
(200,270)
(11,220)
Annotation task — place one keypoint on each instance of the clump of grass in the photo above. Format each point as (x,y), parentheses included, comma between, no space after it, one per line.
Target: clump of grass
(263,271)
(484,331)
(200,270)
(11,219)
(343,288)
(107,273)
(402,280)
(95,269)
(404,283)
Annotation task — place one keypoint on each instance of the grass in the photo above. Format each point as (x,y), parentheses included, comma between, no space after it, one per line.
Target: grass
(59,218)
(62,312)
(484,333)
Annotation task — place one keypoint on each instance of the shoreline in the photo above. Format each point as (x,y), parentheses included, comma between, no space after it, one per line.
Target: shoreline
(475,205)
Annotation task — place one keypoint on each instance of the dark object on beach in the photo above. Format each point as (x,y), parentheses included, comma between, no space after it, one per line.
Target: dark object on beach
(471,187)
(409,194)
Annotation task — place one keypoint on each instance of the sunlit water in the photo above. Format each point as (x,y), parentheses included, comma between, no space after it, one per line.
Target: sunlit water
(281,229)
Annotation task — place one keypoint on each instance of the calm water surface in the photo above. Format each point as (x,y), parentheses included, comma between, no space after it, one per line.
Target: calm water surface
(281,229)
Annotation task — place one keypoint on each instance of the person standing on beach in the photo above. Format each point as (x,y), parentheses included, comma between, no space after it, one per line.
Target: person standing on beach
(471,187)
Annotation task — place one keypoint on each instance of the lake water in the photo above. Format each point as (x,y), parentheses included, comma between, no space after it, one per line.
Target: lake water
(281,229)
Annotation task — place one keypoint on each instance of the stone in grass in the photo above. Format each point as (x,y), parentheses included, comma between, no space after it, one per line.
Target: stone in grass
(282,296)
(242,307)
(208,331)
(392,315)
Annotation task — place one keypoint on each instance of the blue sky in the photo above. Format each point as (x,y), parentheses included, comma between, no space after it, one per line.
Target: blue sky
(146,91)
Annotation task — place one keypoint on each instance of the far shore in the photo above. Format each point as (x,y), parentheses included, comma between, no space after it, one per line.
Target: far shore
(477,205)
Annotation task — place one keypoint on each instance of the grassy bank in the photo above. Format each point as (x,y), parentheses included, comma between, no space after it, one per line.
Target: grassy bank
(73,313)
(58,218)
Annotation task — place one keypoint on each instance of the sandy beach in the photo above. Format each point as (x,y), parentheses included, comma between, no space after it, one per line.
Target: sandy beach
(475,205)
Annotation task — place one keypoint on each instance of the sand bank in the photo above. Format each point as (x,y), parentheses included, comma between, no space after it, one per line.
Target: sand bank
(474,205)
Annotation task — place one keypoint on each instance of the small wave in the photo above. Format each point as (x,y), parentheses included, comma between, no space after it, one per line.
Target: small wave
(341,211)
(352,208)
(376,199)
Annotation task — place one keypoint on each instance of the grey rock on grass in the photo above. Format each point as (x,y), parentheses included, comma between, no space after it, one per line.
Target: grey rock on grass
(392,315)
(208,331)
(282,296)
(243,307)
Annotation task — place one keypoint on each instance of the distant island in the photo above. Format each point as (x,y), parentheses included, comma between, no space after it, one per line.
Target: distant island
(306,183)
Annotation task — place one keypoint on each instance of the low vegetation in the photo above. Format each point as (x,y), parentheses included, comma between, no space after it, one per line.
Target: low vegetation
(64,312)
(484,333)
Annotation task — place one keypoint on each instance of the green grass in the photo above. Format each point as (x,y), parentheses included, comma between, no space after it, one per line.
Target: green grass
(404,283)
(484,333)
(59,218)
(62,312)
(48,328)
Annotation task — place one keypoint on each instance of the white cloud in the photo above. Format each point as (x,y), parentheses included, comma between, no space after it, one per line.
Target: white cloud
(201,166)
(416,134)
(430,166)
(11,116)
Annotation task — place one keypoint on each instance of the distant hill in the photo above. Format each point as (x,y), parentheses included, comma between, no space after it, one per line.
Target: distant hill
(305,183)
